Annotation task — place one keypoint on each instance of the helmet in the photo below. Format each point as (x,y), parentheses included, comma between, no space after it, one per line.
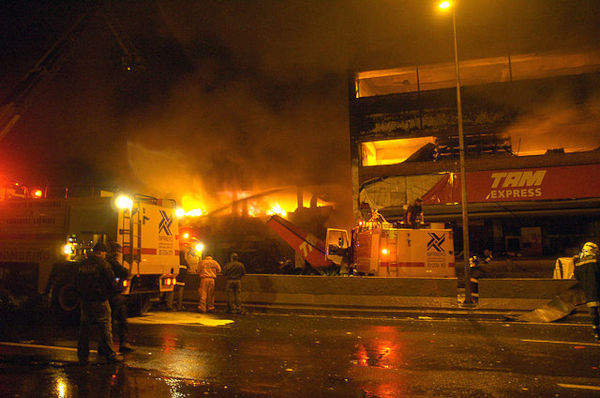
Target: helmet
(590,248)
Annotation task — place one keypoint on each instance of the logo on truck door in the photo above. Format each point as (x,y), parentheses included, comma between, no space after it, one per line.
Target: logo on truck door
(165,223)
(436,242)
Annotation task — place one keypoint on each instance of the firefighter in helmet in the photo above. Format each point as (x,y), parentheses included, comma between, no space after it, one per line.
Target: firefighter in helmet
(188,260)
(587,272)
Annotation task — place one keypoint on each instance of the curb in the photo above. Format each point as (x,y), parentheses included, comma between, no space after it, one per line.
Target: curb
(463,313)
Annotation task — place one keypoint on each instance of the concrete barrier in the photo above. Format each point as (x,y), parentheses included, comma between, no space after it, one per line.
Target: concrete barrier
(337,291)
(520,294)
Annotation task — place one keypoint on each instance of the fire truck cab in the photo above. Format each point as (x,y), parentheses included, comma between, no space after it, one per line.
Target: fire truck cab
(42,241)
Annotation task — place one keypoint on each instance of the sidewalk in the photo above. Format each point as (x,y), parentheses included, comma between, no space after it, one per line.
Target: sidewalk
(470,312)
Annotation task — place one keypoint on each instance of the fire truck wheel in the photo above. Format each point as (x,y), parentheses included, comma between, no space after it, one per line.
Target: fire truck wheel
(67,300)
(138,304)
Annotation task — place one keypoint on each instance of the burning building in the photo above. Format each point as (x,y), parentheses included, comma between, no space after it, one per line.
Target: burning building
(240,225)
(532,148)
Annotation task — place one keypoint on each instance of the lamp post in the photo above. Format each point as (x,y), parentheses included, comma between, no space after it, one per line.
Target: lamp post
(445,5)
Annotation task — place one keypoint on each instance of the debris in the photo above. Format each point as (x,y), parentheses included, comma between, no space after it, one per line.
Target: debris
(558,308)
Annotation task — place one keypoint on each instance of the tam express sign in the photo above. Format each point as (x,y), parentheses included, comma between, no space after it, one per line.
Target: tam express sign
(568,182)
(515,185)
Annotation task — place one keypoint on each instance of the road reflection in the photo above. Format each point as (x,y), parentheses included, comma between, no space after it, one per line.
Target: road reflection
(380,354)
(103,381)
(383,351)
(185,357)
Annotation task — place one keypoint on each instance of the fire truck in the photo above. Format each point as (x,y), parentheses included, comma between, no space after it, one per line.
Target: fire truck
(42,241)
(374,248)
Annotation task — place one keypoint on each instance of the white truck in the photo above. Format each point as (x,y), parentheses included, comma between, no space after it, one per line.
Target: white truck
(393,252)
(374,248)
(41,241)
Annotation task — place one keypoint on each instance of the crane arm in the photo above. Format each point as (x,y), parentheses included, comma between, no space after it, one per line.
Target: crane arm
(19,98)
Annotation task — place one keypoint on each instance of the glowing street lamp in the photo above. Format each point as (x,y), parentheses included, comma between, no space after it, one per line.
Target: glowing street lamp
(447,5)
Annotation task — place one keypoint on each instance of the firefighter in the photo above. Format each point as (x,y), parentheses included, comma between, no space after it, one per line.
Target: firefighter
(95,283)
(234,270)
(187,261)
(207,271)
(587,272)
(118,302)
(414,214)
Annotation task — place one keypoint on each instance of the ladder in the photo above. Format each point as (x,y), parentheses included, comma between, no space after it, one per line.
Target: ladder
(131,237)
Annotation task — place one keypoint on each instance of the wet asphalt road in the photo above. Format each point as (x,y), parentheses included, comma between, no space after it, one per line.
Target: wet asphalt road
(260,355)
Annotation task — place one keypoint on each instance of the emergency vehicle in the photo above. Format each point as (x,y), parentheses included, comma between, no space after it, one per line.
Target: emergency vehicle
(42,240)
(374,248)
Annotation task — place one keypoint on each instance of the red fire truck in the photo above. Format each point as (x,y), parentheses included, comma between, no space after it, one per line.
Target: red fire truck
(41,241)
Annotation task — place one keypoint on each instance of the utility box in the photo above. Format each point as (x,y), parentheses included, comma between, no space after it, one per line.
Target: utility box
(391,252)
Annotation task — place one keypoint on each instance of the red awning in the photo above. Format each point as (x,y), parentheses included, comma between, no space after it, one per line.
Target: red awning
(549,183)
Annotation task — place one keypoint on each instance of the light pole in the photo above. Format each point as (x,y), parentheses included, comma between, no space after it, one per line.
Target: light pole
(445,5)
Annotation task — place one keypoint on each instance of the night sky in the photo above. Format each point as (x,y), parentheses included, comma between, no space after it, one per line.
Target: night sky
(235,95)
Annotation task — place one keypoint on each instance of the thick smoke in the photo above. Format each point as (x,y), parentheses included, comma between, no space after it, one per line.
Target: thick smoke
(253,94)
(228,140)
(557,124)
(265,105)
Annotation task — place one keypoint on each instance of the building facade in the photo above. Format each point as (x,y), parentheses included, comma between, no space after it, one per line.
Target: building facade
(532,148)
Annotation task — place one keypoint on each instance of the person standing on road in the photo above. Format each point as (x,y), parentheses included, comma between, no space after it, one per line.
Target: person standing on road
(187,261)
(587,272)
(234,270)
(207,271)
(95,283)
(118,302)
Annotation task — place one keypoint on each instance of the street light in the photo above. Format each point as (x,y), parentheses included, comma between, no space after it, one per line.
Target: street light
(447,5)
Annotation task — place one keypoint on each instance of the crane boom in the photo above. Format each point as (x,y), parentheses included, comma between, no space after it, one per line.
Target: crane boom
(20,97)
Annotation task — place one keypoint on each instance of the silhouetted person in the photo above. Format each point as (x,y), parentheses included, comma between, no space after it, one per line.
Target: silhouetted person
(187,261)
(95,284)
(414,214)
(118,302)
(234,270)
